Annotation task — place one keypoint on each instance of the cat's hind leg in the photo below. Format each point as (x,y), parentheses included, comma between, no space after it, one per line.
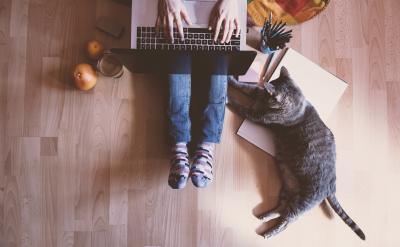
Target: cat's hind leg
(284,210)
(277,228)
(290,189)
(278,211)
(273,213)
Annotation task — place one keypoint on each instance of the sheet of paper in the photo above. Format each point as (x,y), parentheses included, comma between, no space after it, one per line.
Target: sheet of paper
(320,87)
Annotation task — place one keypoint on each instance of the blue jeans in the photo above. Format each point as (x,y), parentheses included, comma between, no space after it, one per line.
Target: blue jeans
(206,108)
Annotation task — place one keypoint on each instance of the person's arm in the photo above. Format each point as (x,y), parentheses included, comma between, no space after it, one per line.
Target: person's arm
(170,12)
(226,16)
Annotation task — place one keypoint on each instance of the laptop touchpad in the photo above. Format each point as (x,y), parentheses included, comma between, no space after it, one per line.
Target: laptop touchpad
(199,11)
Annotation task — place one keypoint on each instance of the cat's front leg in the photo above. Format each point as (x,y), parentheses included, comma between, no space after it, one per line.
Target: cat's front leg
(244,111)
(251,89)
(233,103)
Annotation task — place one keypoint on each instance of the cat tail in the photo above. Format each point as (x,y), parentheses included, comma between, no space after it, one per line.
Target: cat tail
(342,214)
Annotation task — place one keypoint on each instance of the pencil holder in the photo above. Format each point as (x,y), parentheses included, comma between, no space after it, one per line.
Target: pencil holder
(273,36)
(264,48)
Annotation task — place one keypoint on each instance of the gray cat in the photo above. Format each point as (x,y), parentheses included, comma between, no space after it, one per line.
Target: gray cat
(305,149)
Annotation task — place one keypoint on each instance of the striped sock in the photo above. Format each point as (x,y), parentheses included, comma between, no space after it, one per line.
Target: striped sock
(179,171)
(201,170)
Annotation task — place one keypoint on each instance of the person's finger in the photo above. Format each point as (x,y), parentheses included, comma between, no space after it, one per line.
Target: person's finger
(237,27)
(158,24)
(178,22)
(212,23)
(226,30)
(165,24)
(218,28)
(213,20)
(185,16)
(171,27)
(231,29)
(157,21)
(161,16)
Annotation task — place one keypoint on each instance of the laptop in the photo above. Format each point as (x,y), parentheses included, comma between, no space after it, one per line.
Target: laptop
(197,36)
(198,53)
(185,62)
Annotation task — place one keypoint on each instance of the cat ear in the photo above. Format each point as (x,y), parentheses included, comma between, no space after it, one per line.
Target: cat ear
(284,72)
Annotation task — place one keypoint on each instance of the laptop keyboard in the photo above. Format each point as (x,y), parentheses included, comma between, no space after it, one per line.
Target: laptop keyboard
(196,39)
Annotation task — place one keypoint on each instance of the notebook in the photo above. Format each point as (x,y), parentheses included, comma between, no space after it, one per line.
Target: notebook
(262,67)
(319,86)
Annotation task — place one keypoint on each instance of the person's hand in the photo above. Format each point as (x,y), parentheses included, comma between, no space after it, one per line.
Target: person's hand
(226,15)
(170,12)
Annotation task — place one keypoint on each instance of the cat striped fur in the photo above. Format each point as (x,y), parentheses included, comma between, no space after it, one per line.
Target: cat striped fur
(333,202)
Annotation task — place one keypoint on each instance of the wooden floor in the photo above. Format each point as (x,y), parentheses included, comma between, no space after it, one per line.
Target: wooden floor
(90,168)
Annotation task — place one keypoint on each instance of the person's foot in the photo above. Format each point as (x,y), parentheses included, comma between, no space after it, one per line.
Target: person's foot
(179,171)
(201,170)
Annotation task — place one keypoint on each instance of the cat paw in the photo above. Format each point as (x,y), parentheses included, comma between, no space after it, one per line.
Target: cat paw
(269,216)
(266,236)
(232,80)
(263,218)
(228,100)
(232,101)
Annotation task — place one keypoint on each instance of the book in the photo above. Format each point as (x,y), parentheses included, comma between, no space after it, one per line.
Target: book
(321,88)
(257,68)
(262,67)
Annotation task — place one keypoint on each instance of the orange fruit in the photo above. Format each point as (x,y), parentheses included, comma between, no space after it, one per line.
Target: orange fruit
(85,77)
(94,49)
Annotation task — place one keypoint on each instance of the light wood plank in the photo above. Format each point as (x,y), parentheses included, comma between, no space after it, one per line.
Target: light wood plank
(52,97)
(49,166)
(91,168)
